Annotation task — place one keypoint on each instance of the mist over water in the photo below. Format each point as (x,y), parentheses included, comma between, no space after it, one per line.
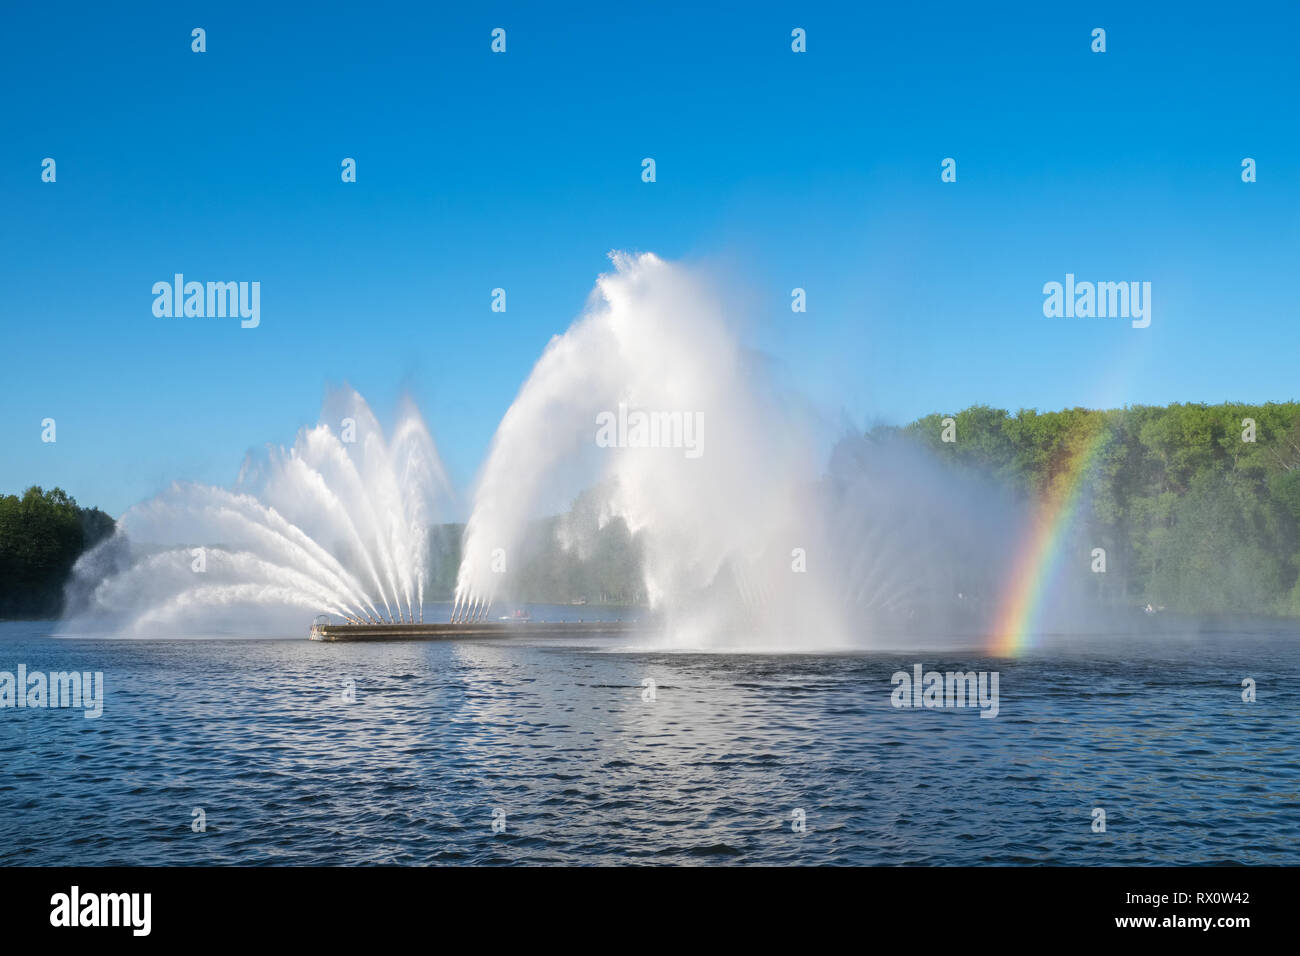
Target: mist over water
(337,524)
(751,539)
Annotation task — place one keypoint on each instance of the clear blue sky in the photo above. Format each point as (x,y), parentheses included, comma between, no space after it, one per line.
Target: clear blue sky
(522,170)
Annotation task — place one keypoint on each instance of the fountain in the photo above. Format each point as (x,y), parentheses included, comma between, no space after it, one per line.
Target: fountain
(338,523)
(650,406)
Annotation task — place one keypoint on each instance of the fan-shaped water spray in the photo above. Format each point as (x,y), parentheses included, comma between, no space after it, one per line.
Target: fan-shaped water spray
(338,523)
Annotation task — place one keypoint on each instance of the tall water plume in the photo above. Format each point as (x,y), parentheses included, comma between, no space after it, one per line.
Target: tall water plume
(750,535)
(718,510)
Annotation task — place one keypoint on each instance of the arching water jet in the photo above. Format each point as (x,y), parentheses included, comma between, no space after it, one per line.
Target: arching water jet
(338,523)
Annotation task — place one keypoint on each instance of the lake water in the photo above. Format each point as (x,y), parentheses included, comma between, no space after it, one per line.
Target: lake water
(556,734)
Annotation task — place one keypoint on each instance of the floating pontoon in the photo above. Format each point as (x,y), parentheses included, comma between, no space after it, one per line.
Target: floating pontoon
(323,630)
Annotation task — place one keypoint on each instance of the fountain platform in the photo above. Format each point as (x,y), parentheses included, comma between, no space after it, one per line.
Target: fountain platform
(446,632)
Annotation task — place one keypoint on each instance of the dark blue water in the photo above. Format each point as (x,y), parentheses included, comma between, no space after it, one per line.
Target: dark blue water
(556,734)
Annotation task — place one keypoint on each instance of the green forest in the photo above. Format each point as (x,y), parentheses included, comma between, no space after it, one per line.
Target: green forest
(42,534)
(1198,506)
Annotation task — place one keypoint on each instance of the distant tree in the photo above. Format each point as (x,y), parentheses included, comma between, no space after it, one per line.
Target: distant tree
(1193,514)
(1216,555)
(42,534)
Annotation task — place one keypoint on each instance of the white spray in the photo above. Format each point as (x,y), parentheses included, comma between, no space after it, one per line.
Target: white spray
(337,524)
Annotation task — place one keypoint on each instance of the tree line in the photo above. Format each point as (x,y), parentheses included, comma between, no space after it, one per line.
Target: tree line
(1198,506)
(42,533)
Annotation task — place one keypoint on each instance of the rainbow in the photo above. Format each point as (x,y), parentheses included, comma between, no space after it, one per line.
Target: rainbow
(1038,558)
